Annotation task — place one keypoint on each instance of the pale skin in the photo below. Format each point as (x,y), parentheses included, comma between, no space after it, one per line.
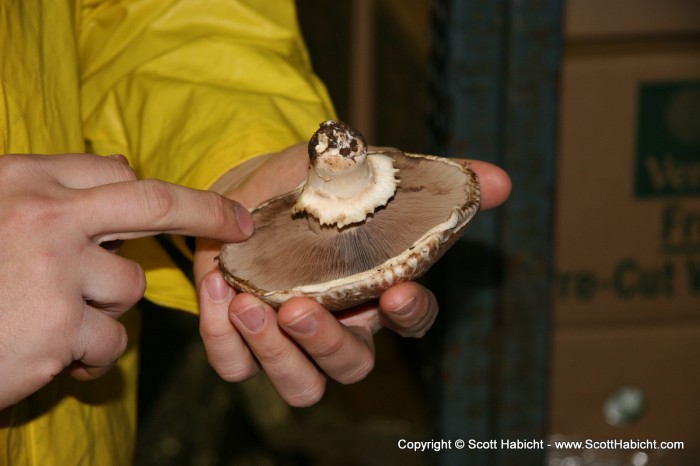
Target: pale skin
(301,345)
(61,220)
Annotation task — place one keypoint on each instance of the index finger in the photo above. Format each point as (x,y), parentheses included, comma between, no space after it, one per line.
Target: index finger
(133,209)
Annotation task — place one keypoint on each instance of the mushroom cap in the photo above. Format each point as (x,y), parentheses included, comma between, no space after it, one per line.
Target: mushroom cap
(292,255)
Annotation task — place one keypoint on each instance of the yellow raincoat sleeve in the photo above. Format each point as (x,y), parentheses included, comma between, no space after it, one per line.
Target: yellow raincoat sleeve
(188,89)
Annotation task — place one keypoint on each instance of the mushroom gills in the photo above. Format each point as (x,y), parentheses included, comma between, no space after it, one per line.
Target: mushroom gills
(287,256)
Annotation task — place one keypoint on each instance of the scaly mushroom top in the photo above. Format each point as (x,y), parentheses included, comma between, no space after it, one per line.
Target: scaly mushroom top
(345,183)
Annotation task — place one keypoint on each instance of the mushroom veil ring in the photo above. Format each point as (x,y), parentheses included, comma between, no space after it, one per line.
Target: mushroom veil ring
(362,222)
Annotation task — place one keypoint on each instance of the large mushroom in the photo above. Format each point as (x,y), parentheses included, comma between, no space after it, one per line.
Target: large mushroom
(362,222)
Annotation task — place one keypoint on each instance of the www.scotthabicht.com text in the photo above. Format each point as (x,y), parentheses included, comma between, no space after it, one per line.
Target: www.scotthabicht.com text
(533,444)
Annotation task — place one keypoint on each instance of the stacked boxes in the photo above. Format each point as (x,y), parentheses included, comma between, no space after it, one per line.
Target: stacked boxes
(627,252)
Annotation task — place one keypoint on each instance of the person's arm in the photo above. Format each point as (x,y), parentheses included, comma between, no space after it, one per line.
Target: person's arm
(62,218)
(190,89)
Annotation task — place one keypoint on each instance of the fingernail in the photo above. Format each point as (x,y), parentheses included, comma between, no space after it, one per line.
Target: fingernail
(252,317)
(305,325)
(217,289)
(245,221)
(406,308)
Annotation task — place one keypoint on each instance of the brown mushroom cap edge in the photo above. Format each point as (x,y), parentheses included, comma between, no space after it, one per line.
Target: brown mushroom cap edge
(279,251)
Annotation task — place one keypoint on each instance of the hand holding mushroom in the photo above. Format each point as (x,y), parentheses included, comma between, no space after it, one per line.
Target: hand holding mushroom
(301,343)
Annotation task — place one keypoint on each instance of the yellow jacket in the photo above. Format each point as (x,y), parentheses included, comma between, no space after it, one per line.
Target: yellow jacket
(185,89)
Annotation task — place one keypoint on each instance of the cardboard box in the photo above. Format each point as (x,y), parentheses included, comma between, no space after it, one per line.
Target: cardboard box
(590,366)
(627,233)
(607,19)
(626,292)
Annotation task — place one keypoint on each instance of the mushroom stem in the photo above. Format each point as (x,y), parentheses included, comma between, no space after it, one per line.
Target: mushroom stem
(345,183)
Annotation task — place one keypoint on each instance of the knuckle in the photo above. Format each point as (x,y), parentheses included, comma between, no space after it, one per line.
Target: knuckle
(39,206)
(114,339)
(12,167)
(311,394)
(274,355)
(210,329)
(222,212)
(415,329)
(422,330)
(237,372)
(421,321)
(136,278)
(359,373)
(158,197)
(122,171)
(219,211)
(330,348)
(428,318)
(121,341)
(36,212)
(139,278)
